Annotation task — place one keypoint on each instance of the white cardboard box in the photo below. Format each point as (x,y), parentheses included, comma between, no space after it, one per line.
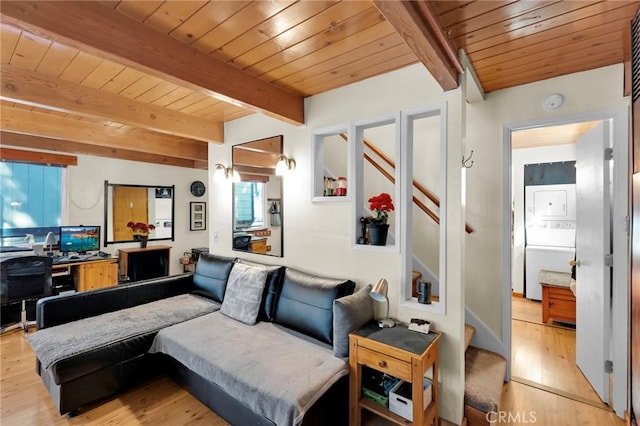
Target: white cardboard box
(400,401)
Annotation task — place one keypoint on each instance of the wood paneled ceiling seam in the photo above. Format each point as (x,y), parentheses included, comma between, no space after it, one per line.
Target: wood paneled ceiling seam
(82,24)
(31,88)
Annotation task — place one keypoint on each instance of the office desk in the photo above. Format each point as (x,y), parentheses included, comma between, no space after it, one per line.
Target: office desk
(86,275)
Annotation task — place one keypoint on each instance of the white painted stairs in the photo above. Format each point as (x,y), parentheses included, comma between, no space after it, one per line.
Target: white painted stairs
(484,379)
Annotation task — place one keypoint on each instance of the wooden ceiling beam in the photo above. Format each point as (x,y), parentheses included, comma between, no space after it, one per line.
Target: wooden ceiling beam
(19,120)
(272,145)
(254,170)
(59,145)
(418,26)
(254,158)
(30,88)
(104,32)
(19,155)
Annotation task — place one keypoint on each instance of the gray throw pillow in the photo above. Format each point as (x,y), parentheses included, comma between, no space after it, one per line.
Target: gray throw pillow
(244,293)
(349,314)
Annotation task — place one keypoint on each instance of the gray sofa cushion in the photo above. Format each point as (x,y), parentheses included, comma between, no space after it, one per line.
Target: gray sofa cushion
(272,289)
(244,293)
(306,303)
(211,275)
(350,313)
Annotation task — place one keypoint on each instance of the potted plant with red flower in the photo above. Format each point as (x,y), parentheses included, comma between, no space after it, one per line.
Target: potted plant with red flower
(141,231)
(380,206)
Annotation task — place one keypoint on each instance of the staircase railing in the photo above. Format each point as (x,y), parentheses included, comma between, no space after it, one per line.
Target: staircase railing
(417,185)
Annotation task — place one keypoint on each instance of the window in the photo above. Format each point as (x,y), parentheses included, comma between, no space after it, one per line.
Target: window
(31,201)
(249,205)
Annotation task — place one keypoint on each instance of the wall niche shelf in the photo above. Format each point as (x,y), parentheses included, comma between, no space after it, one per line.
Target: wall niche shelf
(331,157)
(331,199)
(375,141)
(390,248)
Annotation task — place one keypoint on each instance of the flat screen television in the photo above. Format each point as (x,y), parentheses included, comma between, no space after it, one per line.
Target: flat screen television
(80,239)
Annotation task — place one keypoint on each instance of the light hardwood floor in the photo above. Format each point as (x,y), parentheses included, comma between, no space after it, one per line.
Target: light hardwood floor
(544,355)
(547,356)
(25,401)
(531,311)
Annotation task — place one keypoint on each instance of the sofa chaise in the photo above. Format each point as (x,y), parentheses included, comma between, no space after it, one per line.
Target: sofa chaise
(258,344)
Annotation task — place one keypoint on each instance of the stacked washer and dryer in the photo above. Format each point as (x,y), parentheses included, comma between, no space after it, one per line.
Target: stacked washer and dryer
(550,223)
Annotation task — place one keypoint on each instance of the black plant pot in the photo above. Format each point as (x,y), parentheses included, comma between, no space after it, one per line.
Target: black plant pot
(378,234)
(142,238)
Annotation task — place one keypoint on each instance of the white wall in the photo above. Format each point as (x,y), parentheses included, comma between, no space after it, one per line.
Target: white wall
(317,237)
(588,91)
(86,198)
(519,158)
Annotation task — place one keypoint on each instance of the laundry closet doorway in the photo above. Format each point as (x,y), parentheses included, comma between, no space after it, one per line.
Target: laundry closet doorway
(553,368)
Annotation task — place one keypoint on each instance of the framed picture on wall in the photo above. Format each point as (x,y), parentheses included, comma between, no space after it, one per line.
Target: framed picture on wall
(198,216)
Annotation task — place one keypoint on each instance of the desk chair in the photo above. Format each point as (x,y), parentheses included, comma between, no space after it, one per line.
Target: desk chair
(23,280)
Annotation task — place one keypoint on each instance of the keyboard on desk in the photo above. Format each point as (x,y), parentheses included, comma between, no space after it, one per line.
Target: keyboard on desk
(74,258)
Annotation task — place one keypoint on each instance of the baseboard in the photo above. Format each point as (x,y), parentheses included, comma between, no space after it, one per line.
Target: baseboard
(519,295)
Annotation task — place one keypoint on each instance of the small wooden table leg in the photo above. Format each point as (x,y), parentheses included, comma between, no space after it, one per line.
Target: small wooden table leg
(545,304)
(355,384)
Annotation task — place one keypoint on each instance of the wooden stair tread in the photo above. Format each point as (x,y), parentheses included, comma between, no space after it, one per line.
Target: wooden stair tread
(469,331)
(484,378)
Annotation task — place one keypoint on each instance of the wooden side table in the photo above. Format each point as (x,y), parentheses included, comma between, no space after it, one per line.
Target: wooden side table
(401,353)
(558,301)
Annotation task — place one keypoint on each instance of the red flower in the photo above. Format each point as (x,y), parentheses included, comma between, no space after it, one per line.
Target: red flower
(141,227)
(381,205)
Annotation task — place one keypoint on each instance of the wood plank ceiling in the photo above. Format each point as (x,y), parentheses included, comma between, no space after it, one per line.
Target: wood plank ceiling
(156,80)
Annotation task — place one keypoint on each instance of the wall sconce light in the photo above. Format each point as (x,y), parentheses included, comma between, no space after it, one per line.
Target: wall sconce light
(222,173)
(234,175)
(219,173)
(284,165)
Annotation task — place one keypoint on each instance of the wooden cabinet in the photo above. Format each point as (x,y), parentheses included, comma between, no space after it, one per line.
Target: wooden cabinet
(409,360)
(259,245)
(144,263)
(558,303)
(85,275)
(94,275)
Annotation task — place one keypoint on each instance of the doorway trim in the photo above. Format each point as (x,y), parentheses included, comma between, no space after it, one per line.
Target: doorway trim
(620,232)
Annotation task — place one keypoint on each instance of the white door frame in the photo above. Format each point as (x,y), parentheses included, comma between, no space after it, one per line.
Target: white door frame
(621,244)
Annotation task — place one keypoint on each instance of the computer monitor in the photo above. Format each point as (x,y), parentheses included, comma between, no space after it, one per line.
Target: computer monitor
(80,239)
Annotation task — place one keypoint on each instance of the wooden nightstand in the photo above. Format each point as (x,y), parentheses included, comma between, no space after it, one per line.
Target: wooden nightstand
(401,353)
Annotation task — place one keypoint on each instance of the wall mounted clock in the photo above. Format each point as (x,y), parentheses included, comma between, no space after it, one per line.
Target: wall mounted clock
(197,188)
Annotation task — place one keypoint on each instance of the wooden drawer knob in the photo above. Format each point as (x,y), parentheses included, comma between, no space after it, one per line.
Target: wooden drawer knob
(382,364)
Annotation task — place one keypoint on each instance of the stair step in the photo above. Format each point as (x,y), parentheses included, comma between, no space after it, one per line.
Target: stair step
(469,331)
(484,378)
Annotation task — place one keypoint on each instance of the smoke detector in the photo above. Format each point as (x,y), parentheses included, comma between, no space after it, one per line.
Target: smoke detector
(553,102)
